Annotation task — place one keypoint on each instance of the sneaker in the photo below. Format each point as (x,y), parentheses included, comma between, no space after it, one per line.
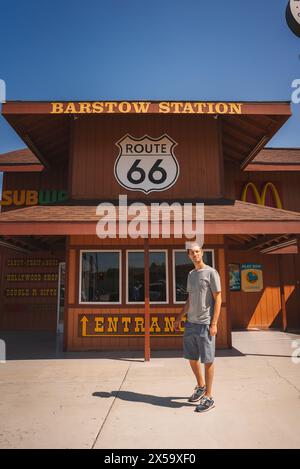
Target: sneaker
(197,394)
(206,403)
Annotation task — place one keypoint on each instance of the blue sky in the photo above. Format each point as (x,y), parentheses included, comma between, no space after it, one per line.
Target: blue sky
(136,49)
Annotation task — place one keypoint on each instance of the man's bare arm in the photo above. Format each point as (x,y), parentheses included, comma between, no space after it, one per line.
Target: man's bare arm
(217,310)
(181,314)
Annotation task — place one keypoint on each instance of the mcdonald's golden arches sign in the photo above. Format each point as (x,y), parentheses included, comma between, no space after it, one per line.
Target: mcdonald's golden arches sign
(265,193)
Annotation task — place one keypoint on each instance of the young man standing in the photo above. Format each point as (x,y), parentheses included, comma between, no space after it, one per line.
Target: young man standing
(203,308)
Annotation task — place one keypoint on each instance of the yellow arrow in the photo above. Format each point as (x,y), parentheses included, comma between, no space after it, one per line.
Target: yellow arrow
(84,320)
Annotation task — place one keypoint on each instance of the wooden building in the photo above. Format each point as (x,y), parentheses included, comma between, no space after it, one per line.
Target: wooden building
(119,293)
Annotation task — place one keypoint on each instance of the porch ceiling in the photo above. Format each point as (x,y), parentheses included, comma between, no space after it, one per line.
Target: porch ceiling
(243,135)
(33,243)
(268,244)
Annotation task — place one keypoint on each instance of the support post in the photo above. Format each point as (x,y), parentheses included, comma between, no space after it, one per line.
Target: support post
(147,300)
(282,295)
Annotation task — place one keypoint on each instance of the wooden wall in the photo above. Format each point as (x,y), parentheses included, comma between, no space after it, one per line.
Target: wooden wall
(288,182)
(257,309)
(20,312)
(73,341)
(95,151)
(55,178)
(264,309)
(290,268)
(2,265)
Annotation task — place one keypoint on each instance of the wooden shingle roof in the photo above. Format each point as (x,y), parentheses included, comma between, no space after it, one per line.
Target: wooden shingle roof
(19,161)
(276,159)
(233,217)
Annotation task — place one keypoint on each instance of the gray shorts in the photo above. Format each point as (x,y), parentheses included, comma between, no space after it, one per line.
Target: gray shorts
(198,343)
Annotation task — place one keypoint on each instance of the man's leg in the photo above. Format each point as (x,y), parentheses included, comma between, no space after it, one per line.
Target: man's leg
(196,367)
(209,376)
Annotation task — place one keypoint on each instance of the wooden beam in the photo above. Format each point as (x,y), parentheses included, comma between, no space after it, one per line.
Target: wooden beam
(32,243)
(281,108)
(231,159)
(260,241)
(14,247)
(280,245)
(21,168)
(282,295)
(232,148)
(272,167)
(147,300)
(233,154)
(242,135)
(255,150)
(228,302)
(268,135)
(70,289)
(34,149)
(250,122)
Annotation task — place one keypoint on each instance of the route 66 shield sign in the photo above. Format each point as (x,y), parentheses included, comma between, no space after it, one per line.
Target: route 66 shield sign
(146,164)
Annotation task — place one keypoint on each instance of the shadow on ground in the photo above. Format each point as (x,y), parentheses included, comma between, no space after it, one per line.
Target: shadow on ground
(129,396)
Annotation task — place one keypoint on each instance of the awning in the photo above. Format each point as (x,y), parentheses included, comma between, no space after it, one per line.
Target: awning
(220,217)
(244,131)
(20,161)
(276,159)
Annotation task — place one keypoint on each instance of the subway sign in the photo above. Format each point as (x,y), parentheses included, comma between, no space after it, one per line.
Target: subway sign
(32,197)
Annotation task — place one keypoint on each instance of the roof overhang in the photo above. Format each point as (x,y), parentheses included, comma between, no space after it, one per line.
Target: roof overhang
(20,161)
(233,217)
(276,159)
(246,127)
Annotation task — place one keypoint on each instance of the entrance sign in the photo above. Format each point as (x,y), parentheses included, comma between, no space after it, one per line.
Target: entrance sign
(146,164)
(126,325)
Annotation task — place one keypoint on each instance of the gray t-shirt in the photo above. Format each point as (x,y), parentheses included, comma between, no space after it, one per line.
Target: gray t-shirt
(201,284)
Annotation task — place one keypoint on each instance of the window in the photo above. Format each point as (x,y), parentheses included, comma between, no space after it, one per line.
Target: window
(182,265)
(158,277)
(100,277)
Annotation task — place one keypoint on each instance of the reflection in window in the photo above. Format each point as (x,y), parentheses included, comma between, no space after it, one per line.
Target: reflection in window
(135,272)
(100,280)
(183,265)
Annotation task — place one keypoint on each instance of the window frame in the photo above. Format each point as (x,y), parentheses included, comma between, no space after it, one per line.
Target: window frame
(120,277)
(174,273)
(167,278)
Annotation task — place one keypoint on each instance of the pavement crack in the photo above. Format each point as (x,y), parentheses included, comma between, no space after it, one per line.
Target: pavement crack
(282,377)
(111,407)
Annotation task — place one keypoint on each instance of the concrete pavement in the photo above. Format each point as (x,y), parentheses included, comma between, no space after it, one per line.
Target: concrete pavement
(114,400)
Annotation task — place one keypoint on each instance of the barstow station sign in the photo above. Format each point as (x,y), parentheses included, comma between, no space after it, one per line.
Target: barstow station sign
(213,108)
(145,107)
